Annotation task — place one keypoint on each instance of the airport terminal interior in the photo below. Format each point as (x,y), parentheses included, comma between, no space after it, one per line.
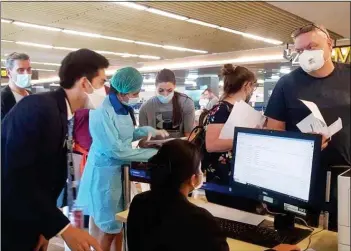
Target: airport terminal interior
(198,53)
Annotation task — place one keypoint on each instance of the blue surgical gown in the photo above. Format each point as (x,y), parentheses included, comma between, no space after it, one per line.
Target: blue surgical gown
(100,190)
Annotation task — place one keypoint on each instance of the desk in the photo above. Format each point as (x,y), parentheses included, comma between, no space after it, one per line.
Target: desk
(323,241)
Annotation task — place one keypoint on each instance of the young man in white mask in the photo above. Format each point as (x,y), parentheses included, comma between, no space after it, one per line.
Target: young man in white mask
(35,152)
(321,81)
(19,72)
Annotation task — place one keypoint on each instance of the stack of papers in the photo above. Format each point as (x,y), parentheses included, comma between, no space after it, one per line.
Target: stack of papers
(242,115)
(315,123)
(160,142)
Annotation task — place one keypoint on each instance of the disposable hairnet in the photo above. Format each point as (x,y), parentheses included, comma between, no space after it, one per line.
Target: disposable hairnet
(127,80)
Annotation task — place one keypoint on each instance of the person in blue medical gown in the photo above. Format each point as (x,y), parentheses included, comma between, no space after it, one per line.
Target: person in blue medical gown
(112,127)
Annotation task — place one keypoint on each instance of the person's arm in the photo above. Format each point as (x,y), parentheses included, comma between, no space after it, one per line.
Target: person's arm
(217,121)
(107,137)
(23,133)
(213,143)
(143,121)
(213,237)
(188,116)
(276,109)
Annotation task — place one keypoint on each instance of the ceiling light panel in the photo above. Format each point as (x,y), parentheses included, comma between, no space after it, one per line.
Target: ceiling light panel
(44,63)
(35,45)
(6,21)
(176,48)
(190,20)
(166,14)
(38,69)
(194,21)
(95,35)
(132,5)
(41,27)
(148,44)
(7,41)
(80,33)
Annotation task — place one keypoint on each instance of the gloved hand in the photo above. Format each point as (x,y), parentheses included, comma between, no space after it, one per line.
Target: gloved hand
(154,133)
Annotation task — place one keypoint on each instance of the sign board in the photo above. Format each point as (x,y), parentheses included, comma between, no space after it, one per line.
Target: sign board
(3,73)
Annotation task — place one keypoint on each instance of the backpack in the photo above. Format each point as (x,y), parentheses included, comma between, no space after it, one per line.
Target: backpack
(198,134)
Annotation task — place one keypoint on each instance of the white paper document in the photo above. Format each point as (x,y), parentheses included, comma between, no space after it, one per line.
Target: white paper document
(315,122)
(242,115)
(160,142)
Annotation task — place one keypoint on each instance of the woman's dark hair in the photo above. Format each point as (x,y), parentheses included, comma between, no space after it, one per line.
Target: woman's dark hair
(165,76)
(80,63)
(175,162)
(234,78)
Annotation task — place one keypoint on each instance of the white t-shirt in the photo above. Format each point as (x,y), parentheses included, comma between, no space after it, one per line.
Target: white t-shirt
(18,97)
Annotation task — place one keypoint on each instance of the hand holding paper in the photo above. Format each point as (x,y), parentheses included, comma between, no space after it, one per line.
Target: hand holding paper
(315,122)
(242,115)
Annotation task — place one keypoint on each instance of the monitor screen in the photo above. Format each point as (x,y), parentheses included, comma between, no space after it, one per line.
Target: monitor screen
(279,164)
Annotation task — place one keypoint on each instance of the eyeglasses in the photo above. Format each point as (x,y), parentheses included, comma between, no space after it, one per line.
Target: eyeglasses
(255,85)
(307,28)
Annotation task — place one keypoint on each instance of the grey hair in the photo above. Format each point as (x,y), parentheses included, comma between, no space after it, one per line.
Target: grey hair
(10,60)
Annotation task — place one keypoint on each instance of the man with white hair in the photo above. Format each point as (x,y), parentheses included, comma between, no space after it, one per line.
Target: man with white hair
(325,83)
(19,70)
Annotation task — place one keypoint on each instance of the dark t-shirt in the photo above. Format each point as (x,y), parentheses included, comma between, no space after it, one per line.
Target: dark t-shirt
(332,96)
(170,223)
(219,170)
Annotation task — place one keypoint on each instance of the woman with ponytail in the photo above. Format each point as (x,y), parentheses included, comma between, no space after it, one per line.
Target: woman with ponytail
(168,110)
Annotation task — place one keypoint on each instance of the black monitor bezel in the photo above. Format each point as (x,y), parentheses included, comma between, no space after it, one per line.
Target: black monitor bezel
(315,201)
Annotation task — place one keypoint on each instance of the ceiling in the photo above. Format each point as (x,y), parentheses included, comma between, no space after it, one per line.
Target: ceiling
(112,19)
(334,14)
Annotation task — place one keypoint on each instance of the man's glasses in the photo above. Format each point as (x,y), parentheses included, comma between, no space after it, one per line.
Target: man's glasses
(307,28)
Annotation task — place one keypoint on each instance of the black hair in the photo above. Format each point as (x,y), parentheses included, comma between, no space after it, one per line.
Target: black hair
(235,78)
(175,162)
(167,75)
(80,63)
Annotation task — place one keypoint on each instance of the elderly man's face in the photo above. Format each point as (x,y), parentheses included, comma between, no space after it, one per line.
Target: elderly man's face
(314,40)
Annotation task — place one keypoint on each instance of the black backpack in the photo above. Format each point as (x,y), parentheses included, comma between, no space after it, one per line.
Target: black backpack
(198,134)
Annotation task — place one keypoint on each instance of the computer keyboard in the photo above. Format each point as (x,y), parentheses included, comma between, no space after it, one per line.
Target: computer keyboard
(261,236)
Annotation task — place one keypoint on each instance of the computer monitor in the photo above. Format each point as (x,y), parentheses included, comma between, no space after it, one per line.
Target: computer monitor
(278,168)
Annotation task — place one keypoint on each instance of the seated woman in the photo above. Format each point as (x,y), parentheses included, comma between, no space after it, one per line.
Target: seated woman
(239,84)
(163,219)
(169,110)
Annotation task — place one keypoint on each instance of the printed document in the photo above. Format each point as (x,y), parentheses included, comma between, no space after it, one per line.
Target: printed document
(315,122)
(242,115)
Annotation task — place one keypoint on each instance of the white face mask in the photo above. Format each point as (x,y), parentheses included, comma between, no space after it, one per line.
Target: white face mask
(131,101)
(203,102)
(23,80)
(165,99)
(201,177)
(96,98)
(311,60)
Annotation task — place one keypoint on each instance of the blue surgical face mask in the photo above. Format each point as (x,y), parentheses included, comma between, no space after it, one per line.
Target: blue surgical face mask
(131,101)
(165,99)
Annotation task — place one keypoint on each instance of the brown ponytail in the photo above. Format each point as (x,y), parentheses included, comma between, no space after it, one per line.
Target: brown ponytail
(234,78)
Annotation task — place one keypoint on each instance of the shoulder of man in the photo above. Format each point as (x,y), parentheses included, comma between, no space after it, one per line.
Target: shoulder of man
(5,92)
(343,67)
